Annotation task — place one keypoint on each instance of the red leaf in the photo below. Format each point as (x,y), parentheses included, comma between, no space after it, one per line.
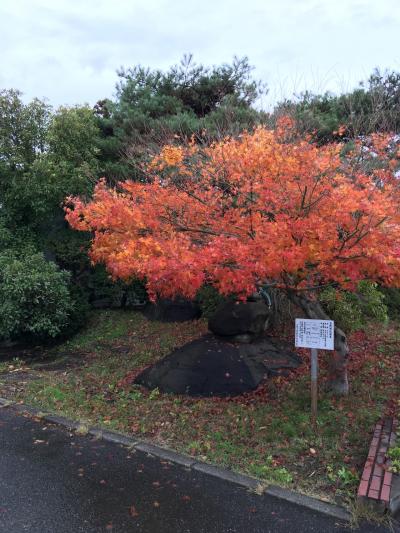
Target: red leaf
(132,511)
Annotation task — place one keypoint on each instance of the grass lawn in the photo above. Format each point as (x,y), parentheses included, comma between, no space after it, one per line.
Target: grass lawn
(266,434)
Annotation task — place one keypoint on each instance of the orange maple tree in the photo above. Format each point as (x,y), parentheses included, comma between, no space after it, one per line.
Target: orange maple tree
(268,207)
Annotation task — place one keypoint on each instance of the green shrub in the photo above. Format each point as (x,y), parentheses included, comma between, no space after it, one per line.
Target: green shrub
(342,307)
(209,299)
(392,301)
(79,311)
(135,293)
(351,310)
(102,289)
(394,454)
(372,301)
(113,293)
(35,301)
(69,249)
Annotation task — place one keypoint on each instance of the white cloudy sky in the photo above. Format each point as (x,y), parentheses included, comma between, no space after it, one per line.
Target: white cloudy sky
(69,50)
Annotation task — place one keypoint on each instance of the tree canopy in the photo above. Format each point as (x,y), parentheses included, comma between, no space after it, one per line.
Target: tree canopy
(373,106)
(267,207)
(153,107)
(44,156)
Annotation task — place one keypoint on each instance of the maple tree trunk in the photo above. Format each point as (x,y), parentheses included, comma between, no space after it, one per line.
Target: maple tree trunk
(337,380)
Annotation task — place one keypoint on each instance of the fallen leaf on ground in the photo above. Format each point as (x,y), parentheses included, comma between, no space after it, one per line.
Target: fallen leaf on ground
(132,511)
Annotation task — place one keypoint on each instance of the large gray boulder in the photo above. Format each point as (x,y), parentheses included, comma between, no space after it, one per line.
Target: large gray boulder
(210,366)
(242,320)
(177,310)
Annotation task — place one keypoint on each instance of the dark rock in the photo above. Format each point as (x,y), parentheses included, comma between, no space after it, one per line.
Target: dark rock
(178,310)
(243,338)
(270,354)
(101,303)
(240,318)
(213,367)
(8,344)
(136,304)
(19,377)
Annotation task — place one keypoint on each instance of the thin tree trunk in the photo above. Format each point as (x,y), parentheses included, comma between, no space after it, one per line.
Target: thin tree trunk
(337,380)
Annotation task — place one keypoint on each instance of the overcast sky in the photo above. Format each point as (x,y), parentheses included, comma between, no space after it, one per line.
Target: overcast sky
(69,50)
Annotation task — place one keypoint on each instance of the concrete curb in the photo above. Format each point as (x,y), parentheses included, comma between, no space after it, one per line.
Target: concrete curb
(61,421)
(230,476)
(224,474)
(165,453)
(111,436)
(307,501)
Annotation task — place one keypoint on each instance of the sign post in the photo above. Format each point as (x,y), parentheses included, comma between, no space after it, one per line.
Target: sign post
(314,386)
(314,334)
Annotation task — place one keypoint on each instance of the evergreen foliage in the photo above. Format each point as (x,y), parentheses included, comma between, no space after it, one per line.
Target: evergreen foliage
(35,301)
(351,310)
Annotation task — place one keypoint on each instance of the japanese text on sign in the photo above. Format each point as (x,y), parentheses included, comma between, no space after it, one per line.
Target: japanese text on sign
(317,334)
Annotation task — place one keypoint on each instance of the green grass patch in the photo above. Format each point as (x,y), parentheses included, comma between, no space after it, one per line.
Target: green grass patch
(103,327)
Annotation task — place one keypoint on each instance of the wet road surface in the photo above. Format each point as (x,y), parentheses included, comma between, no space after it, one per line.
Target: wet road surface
(54,481)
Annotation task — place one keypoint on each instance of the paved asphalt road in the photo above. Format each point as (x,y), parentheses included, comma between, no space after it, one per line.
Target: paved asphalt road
(52,481)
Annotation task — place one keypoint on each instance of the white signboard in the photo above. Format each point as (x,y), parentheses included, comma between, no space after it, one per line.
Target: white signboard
(318,334)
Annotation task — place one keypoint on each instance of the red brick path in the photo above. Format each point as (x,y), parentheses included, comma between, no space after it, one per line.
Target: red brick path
(376,480)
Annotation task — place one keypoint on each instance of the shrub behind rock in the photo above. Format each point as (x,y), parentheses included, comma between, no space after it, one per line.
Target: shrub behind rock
(351,310)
